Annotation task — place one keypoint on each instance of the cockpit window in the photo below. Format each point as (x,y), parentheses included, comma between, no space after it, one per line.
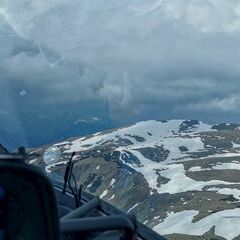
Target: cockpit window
(145,93)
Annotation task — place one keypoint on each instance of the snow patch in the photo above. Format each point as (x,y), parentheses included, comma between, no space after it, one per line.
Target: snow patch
(105,192)
(166,134)
(227,191)
(112,182)
(130,209)
(32,161)
(62,144)
(226,223)
(219,166)
(48,167)
(112,197)
(224,166)
(195,169)
(178,183)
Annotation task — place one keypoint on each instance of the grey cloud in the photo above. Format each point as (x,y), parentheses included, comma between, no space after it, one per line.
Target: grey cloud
(227,104)
(130,54)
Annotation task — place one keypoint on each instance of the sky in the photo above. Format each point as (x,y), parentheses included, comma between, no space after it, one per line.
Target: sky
(117,62)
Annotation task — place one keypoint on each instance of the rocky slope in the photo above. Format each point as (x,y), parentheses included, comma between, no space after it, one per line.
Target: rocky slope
(180,177)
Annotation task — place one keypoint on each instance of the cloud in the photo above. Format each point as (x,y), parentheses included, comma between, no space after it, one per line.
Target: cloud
(133,55)
(228,104)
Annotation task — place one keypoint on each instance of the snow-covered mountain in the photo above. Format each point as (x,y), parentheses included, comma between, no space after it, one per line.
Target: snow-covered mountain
(180,177)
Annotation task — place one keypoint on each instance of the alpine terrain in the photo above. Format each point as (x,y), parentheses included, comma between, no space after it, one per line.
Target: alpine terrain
(179,177)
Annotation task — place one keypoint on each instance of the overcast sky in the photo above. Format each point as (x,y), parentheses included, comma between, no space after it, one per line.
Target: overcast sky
(141,58)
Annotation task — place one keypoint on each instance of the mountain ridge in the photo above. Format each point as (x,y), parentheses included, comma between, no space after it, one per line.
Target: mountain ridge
(162,171)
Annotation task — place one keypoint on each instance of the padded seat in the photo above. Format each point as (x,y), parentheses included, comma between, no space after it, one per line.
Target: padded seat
(27,202)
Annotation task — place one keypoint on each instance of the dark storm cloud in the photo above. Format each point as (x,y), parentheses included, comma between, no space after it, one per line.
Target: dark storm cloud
(30,70)
(172,56)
